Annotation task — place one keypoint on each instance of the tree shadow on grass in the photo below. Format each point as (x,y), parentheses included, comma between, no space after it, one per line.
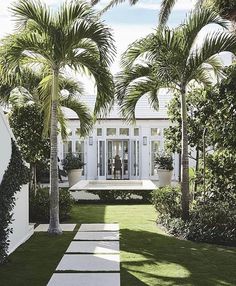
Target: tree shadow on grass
(81,213)
(157,259)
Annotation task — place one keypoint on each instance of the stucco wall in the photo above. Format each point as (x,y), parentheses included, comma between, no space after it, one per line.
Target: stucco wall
(5,144)
(21,228)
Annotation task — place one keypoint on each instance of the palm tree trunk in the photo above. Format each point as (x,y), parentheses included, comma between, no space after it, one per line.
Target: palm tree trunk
(196,171)
(54,225)
(185,160)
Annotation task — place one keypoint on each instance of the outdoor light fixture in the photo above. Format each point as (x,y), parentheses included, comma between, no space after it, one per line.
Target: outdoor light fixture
(90,140)
(144,140)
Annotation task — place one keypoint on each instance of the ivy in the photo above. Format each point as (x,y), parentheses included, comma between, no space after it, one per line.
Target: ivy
(16,175)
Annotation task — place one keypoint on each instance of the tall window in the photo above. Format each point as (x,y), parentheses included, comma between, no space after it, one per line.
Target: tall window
(155,148)
(155,131)
(79,151)
(67,148)
(136,131)
(124,131)
(77,132)
(111,131)
(99,131)
(69,132)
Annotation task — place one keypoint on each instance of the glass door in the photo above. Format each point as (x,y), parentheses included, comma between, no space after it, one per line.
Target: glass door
(135,159)
(101,151)
(117,159)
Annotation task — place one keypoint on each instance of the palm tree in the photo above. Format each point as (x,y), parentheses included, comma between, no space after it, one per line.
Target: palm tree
(169,58)
(30,89)
(226,8)
(70,38)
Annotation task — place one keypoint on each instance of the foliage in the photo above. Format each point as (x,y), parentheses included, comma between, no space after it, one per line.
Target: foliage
(71,37)
(227,8)
(72,162)
(39,205)
(170,58)
(167,201)
(16,175)
(143,196)
(27,124)
(221,176)
(199,112)
(213,222)
(164,161)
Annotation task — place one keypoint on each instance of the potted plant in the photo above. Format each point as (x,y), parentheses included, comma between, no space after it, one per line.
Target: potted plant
(73,166)
(164,163)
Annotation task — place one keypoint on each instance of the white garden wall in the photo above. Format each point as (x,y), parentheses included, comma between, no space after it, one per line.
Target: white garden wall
(22,230)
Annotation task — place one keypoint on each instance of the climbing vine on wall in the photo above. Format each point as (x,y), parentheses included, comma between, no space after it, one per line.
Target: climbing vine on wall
(16,175)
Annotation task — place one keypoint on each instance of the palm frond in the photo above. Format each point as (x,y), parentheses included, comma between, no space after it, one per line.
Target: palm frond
(124,78)
(137,49)
(196,21)
(134,92)
(166,7)
(213,44)
(34,13)
(84,114)
(72,11)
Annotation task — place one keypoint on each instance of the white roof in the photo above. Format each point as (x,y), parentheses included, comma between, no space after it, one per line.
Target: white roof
(143,109)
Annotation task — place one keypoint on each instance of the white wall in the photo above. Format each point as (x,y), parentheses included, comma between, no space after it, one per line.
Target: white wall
(21,227)
(5,144)
(22,230)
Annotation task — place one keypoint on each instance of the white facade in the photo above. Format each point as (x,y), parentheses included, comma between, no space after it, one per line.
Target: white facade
(135,145)
(20,225)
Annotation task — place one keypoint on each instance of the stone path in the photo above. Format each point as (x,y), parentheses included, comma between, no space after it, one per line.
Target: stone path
(92,257)
(64,227)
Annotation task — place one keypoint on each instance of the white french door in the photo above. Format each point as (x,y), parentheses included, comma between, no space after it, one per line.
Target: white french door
(134,160)
(101,159)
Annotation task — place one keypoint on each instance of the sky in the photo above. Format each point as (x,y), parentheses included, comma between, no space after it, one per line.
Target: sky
(128,23)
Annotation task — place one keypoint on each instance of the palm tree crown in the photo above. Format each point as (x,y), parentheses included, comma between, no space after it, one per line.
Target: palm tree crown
(72,37)
(170,58)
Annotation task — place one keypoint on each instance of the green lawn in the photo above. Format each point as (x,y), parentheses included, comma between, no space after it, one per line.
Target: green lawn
(149,257)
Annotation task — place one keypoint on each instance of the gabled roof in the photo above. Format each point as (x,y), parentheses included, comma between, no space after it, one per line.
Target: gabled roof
(143,109)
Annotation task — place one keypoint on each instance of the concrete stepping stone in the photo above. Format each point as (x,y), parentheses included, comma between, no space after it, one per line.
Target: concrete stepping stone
(94,247)
(64,227)
(109,235)
(89,262)
(99,227)
(85,279)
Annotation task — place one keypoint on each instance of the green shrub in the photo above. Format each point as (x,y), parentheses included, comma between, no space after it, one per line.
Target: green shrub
(164,161)
(72,162)
(123,195)
(167,201)
(214,222)
(40,205)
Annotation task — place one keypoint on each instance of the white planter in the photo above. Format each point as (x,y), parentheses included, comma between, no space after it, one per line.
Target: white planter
(164,177)
(74,176)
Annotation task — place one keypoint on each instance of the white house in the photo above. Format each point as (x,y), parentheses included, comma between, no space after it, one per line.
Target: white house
(135,145)
(22,230)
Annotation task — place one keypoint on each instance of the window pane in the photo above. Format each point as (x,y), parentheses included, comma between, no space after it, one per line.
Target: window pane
(79,151)
(67,148)
(136,131)
(101,158)
(155,132)
(77,132)
(124,131)
(155,148)
(69,132)
(99,131)
(111,131)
